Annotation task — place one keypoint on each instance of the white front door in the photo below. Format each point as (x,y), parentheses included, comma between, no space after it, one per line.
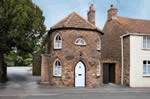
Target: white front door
(80,75)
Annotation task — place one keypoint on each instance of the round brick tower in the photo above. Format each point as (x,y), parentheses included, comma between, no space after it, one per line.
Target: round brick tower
(75,53)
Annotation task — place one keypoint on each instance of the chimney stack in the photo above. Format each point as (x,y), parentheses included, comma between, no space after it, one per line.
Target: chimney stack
(91,14)
(112,12)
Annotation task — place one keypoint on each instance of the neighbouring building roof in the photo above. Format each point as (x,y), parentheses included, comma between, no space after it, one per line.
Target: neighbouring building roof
(75,21)
(132,25)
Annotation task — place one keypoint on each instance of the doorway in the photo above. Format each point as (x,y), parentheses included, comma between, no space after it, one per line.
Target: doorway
(108,73)
(80,75)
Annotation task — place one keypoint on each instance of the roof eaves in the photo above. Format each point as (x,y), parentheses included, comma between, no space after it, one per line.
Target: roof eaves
(97,30)
(137,34)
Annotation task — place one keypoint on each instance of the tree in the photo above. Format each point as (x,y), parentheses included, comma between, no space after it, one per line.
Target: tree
(21,26)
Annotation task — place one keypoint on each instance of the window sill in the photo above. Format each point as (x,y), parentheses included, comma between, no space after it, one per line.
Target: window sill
(147,49)
(57,48)
(57,76)
(98,49)
(80,45)
(146,75)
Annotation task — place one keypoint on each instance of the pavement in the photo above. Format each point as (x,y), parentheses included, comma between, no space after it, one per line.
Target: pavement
(22,85)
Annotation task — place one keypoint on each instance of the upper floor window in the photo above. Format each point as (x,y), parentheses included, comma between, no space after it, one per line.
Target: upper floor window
(146,68)
(57,68)
(80,41)
(146,41)
(98,68)
(98,44)
(57,42)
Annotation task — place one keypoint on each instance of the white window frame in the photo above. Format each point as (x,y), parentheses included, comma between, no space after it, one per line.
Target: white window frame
(146,72)
(55,68)
(98,68)
(99,44)
(146,42)
(80,43)
(57,42)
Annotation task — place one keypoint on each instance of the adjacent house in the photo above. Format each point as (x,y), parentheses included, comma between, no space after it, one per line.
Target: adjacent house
(126,50)
(74,53)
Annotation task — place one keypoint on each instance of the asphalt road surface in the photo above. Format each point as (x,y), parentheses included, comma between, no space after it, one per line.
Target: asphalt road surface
(22,85)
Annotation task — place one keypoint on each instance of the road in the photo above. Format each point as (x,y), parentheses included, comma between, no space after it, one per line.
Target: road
(22,85)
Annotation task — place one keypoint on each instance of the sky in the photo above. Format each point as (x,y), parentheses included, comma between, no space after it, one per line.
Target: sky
(55,10)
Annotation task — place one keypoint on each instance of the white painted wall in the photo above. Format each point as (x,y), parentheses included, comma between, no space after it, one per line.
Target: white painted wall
(137,55)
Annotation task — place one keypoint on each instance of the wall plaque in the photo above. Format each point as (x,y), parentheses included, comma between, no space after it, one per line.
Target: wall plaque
(69,57)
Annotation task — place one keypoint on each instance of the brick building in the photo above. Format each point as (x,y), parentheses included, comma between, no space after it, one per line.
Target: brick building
(74,53)
(125,50)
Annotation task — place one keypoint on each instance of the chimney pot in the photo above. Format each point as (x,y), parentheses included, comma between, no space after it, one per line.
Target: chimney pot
(111,5)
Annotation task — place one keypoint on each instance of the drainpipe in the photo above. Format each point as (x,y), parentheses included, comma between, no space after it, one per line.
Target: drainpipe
(122,59)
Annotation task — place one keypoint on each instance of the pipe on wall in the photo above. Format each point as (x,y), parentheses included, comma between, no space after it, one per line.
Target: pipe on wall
(122,59)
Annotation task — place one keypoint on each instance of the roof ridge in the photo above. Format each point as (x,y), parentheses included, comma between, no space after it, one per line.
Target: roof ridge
(69,19)
(133,18)
(60,21)
(86,20)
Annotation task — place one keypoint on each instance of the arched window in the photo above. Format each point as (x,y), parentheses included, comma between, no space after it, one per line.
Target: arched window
(57,68)
(80,41)
(98,44)
(57,42)
(98,68)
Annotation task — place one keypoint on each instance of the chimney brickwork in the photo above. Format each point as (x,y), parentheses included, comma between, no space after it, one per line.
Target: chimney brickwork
(91,14)
(112,12)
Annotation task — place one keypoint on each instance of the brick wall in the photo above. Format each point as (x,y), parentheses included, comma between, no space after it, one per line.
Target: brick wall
(126,57)
(88,54)
(111,43)
(45,68)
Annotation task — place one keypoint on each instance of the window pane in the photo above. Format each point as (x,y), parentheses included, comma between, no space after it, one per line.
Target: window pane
(144,69)
(148,69)
(57,68)
(56,63)
(148,42)
(144,41)
(98,43)
(98,69)
(58,37)
(57,41)
(59,71)
(80,41)
(144,62)
(59,64)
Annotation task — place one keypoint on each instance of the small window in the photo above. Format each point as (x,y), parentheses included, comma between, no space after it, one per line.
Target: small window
(98,68)
(57,68)
(57,42)
(98,44)
(80,41)
(146,68)
(146,42)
